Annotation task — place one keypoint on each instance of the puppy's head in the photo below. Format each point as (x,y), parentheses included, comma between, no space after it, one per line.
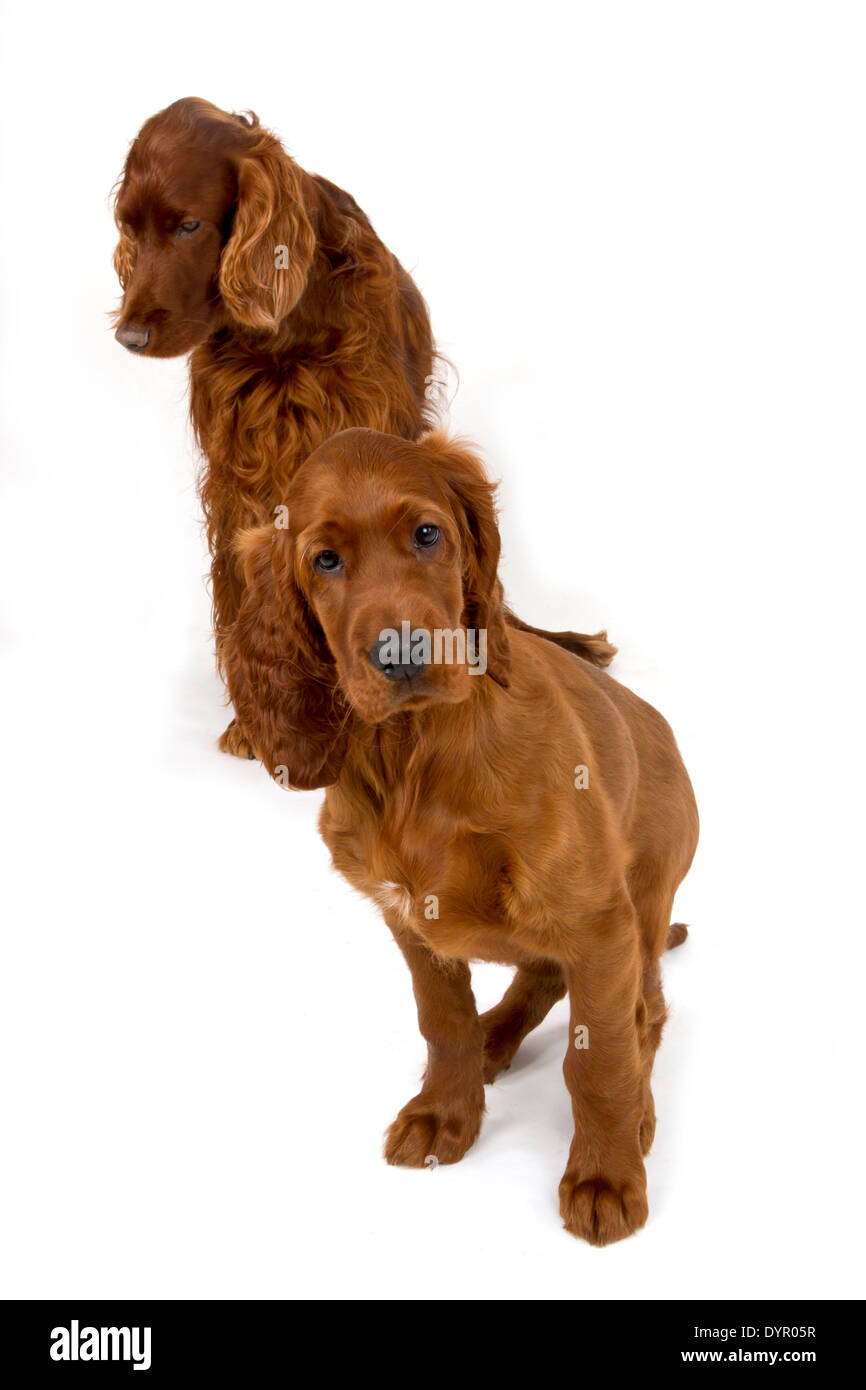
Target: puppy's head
(375,593)
(213,230)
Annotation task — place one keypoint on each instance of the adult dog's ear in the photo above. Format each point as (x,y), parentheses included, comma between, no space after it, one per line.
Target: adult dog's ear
(124,257)
(280,674)
(267,259)
(472,496)
(124,251)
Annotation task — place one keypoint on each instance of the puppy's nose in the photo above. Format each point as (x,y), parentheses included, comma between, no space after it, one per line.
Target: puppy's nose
(131,336)
(382,657)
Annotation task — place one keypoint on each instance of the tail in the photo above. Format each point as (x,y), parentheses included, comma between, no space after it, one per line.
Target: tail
(592,647)
(677,935)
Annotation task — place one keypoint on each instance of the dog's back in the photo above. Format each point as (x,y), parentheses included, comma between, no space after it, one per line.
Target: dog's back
(636,759)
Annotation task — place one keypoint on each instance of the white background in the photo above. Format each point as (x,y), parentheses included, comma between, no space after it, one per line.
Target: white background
(640,229)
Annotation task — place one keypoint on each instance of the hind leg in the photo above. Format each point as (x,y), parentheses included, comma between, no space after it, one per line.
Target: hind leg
(651,1015)
(653,905)
(536,987)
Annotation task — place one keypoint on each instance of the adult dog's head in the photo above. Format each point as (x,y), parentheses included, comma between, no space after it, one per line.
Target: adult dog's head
(213,230)
(374,593)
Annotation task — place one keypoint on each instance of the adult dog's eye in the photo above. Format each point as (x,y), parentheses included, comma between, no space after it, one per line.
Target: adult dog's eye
(187,228)
(327,561)
(426,535)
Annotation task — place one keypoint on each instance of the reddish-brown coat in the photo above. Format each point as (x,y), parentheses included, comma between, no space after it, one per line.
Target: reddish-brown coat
(282,357)
(460,789)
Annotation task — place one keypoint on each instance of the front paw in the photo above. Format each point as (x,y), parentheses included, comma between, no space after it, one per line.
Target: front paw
(425,1127)
(233,741)
(601,1211)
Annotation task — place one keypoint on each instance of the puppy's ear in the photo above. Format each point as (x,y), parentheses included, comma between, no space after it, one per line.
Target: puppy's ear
(267,259)
(472,496)
(280,674)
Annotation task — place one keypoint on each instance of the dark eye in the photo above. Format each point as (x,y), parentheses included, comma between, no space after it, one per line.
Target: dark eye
(426,535)
(328,561)
(187,228)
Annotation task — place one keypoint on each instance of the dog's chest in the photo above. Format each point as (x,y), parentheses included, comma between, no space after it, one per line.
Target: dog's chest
(453,891)
(396,899)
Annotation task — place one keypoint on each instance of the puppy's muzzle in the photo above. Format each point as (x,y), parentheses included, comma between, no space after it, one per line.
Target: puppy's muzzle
(403,670)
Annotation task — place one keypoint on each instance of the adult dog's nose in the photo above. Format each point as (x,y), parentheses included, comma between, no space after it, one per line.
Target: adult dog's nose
(396,665)
(132,337)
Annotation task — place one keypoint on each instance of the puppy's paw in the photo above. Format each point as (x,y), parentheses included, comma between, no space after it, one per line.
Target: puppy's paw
(500,1049)
(234,742)
(428,1127)
(600,1211)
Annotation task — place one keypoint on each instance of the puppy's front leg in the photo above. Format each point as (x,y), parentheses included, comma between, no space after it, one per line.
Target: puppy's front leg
(444,1119)
(602,1195)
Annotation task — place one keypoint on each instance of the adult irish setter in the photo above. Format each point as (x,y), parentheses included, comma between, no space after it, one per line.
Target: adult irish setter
(525,808)
(299,320)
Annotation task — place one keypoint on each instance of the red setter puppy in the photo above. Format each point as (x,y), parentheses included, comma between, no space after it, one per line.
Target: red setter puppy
(300,322)
(525,808)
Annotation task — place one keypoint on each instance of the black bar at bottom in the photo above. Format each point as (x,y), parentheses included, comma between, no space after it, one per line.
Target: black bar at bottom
(163,1342)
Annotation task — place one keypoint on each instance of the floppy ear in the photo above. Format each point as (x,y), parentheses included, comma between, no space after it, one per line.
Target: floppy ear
(473,494)
(268,256)
(124,251)
(280,674)
(124,258)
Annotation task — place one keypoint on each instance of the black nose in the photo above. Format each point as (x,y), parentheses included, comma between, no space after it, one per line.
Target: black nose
(136,339)
(382,657)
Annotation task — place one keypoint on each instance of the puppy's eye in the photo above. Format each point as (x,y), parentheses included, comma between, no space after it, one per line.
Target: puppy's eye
(426,535)
(327,561)
(187,228)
